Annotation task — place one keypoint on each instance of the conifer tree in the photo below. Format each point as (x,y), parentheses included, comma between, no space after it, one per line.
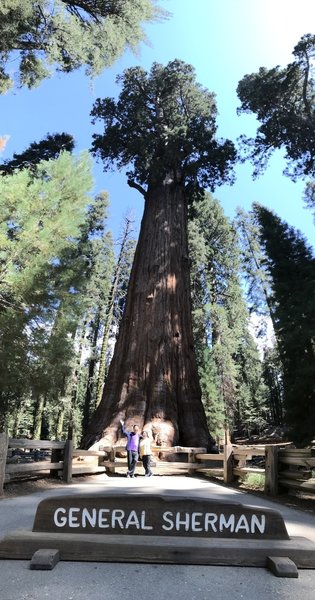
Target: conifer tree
(92,260)
(44,35)
(258,286)
(272,372)
(291,265)
(113,300)
(284,102)
(228,361)
(48,148)
(40,221)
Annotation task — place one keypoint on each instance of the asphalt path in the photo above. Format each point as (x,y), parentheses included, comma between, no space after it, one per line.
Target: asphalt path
(120,581)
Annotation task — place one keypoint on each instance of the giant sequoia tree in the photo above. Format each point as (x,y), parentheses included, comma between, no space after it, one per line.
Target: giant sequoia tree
(162,127)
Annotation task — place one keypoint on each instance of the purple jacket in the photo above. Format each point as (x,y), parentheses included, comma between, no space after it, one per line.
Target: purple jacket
(133,440)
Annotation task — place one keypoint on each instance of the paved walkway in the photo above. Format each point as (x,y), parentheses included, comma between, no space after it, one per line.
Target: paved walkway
(109,581)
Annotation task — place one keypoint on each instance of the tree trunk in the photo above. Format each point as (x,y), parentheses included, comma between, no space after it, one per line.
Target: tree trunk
(38,416)
(109,316)
(153,379)
(90,384)
(59,422)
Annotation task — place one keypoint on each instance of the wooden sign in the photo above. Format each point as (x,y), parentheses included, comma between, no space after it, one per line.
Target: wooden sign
(157,515)
(158,528)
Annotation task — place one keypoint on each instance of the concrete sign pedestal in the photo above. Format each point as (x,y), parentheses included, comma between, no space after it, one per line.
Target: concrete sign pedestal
(158,528)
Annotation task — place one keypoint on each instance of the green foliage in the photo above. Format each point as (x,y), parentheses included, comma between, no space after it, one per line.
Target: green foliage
(259,291)
(47,149)
(284,101)
(39,219)
(273,377)
(66,34)
(252,412)
(254,481)
(211,393)
(229,366)
(88,268)
(292,268)
(163,125)
(101,262)
(256,276)
(40,226)
(310,196)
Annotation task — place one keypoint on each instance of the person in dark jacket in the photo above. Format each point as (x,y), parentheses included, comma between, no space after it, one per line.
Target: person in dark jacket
(132,447)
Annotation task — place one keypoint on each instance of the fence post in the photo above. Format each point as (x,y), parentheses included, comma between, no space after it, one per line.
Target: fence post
(112,456)
(191,459)
(56,456)
(4,443)
(271,470)
(228,476)
(67,462)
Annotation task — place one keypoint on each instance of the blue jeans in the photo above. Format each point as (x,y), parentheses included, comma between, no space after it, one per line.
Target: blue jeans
(146,461)
(132,458)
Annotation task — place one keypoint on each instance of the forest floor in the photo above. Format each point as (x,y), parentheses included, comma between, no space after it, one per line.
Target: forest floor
(300,501)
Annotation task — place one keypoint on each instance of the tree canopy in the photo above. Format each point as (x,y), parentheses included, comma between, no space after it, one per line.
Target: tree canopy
(163,125)
(39,218)
(66,34)
(284,101)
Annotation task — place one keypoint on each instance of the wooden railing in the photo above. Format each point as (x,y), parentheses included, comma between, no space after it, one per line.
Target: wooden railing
(282,466)
(22,458)
(297,469)
(193,459)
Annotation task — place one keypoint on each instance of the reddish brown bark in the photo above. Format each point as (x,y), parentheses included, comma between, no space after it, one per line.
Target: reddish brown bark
(153,377)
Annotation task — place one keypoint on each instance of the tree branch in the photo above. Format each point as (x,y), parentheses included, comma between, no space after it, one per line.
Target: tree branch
(305,85)
(138,187)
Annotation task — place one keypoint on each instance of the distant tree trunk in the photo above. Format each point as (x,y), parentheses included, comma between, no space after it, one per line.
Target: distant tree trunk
(38,417)
(153,379)
(109,315)
(18,413)
(90,384)
(60,421)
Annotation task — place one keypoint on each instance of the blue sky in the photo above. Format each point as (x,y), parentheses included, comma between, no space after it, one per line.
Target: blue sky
(223,40)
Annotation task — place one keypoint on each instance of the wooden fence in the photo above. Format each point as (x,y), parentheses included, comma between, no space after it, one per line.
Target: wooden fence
(23,458)
(282,466)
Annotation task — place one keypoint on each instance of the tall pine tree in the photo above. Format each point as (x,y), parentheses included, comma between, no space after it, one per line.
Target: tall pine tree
(228,360)
(291,265)
(40,220)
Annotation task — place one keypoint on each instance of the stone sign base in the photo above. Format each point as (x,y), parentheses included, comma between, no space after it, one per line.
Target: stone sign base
(158,549)
(158,528)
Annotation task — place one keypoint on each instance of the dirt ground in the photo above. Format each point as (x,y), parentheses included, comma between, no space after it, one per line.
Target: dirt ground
(304,502)
(299,501)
